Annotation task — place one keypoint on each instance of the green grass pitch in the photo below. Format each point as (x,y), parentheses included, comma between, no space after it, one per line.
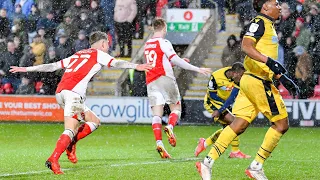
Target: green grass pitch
(128,152)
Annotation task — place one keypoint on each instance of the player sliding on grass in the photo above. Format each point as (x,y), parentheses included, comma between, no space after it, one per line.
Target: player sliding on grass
(70,93)
(257,92)
(161,83)
(223,88)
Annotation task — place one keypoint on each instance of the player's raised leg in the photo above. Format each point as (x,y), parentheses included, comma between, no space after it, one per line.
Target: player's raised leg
(157,112)
(92,123)
(269,143)
(173,120)
(63,142)
(237,127)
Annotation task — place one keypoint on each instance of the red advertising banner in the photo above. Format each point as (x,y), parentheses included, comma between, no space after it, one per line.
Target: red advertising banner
(30,108)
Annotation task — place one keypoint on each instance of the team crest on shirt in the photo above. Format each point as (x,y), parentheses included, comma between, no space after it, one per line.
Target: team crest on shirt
(253,27)
(226,88)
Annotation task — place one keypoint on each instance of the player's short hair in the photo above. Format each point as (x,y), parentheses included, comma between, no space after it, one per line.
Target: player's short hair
(97,36)
(257,4)
(237,67)
(158,24)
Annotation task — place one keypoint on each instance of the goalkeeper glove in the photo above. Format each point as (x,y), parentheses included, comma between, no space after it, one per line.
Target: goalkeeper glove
(289,85)
(275,66)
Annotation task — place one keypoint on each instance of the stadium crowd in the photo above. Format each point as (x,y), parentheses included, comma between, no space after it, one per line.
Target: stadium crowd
(34,32)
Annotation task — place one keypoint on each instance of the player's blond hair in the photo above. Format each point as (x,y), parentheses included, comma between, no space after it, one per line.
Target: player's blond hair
(97,36)
(158,24)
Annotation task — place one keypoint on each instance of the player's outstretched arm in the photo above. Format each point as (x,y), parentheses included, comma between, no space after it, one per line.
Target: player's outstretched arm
(40,68)
(128,65)
(185,65)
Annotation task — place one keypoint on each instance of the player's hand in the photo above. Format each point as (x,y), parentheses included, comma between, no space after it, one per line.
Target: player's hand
(275,66)
(215,114)
(289,85)
(205,71)
(144,67)
(15,69)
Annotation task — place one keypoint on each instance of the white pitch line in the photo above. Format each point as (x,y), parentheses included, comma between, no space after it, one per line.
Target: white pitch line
(112,165)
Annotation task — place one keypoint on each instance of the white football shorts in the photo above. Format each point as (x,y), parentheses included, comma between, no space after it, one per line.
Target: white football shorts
(163,90)
(72,103)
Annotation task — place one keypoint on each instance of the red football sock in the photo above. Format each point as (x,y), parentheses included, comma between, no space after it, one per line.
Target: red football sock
(61,146)
(156,127)
(173,119)
(84,130)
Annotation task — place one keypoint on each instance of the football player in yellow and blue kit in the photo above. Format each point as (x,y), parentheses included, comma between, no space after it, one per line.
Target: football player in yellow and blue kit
(223,88)
(257,92)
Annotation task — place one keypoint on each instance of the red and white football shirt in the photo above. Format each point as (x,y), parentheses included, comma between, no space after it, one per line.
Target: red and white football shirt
(159,51)
(80,68)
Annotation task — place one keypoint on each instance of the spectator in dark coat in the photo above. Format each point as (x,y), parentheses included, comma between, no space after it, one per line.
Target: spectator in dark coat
(82,42)
(75,10)
(32,22)
(142,6)
(286,25)
(48,24)
(17,15)
(108,9)
(68,27)
(19,30)
(5,24)
(64,48)
(232,52)
(85,22)
(315,19)
(26,87)
(51,80)
(7,59)
(96,13)
(124,13)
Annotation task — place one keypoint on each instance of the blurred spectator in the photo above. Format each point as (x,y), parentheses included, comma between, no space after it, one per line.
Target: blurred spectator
(96,13)
(48,24)
(315,53)
(64,48)
(82,42)
(232,52)
(26,86)
(18,46)
(51,80)
(19,30)
(85,22)
(38,49)
(7,5)
(47,41)
(141,18)
(32,21)
(286,25)
(75,10)
(301,34)
(68,27)
(28,57)
(299,10)
(7,59)
(5,24)
(221,14)
(304,72)
(108,9)
(137,83)
(17,15)
(315,19)
(124,13)
(26,6)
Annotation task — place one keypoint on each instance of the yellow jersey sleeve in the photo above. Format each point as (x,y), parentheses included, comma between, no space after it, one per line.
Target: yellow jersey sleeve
(255,29)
